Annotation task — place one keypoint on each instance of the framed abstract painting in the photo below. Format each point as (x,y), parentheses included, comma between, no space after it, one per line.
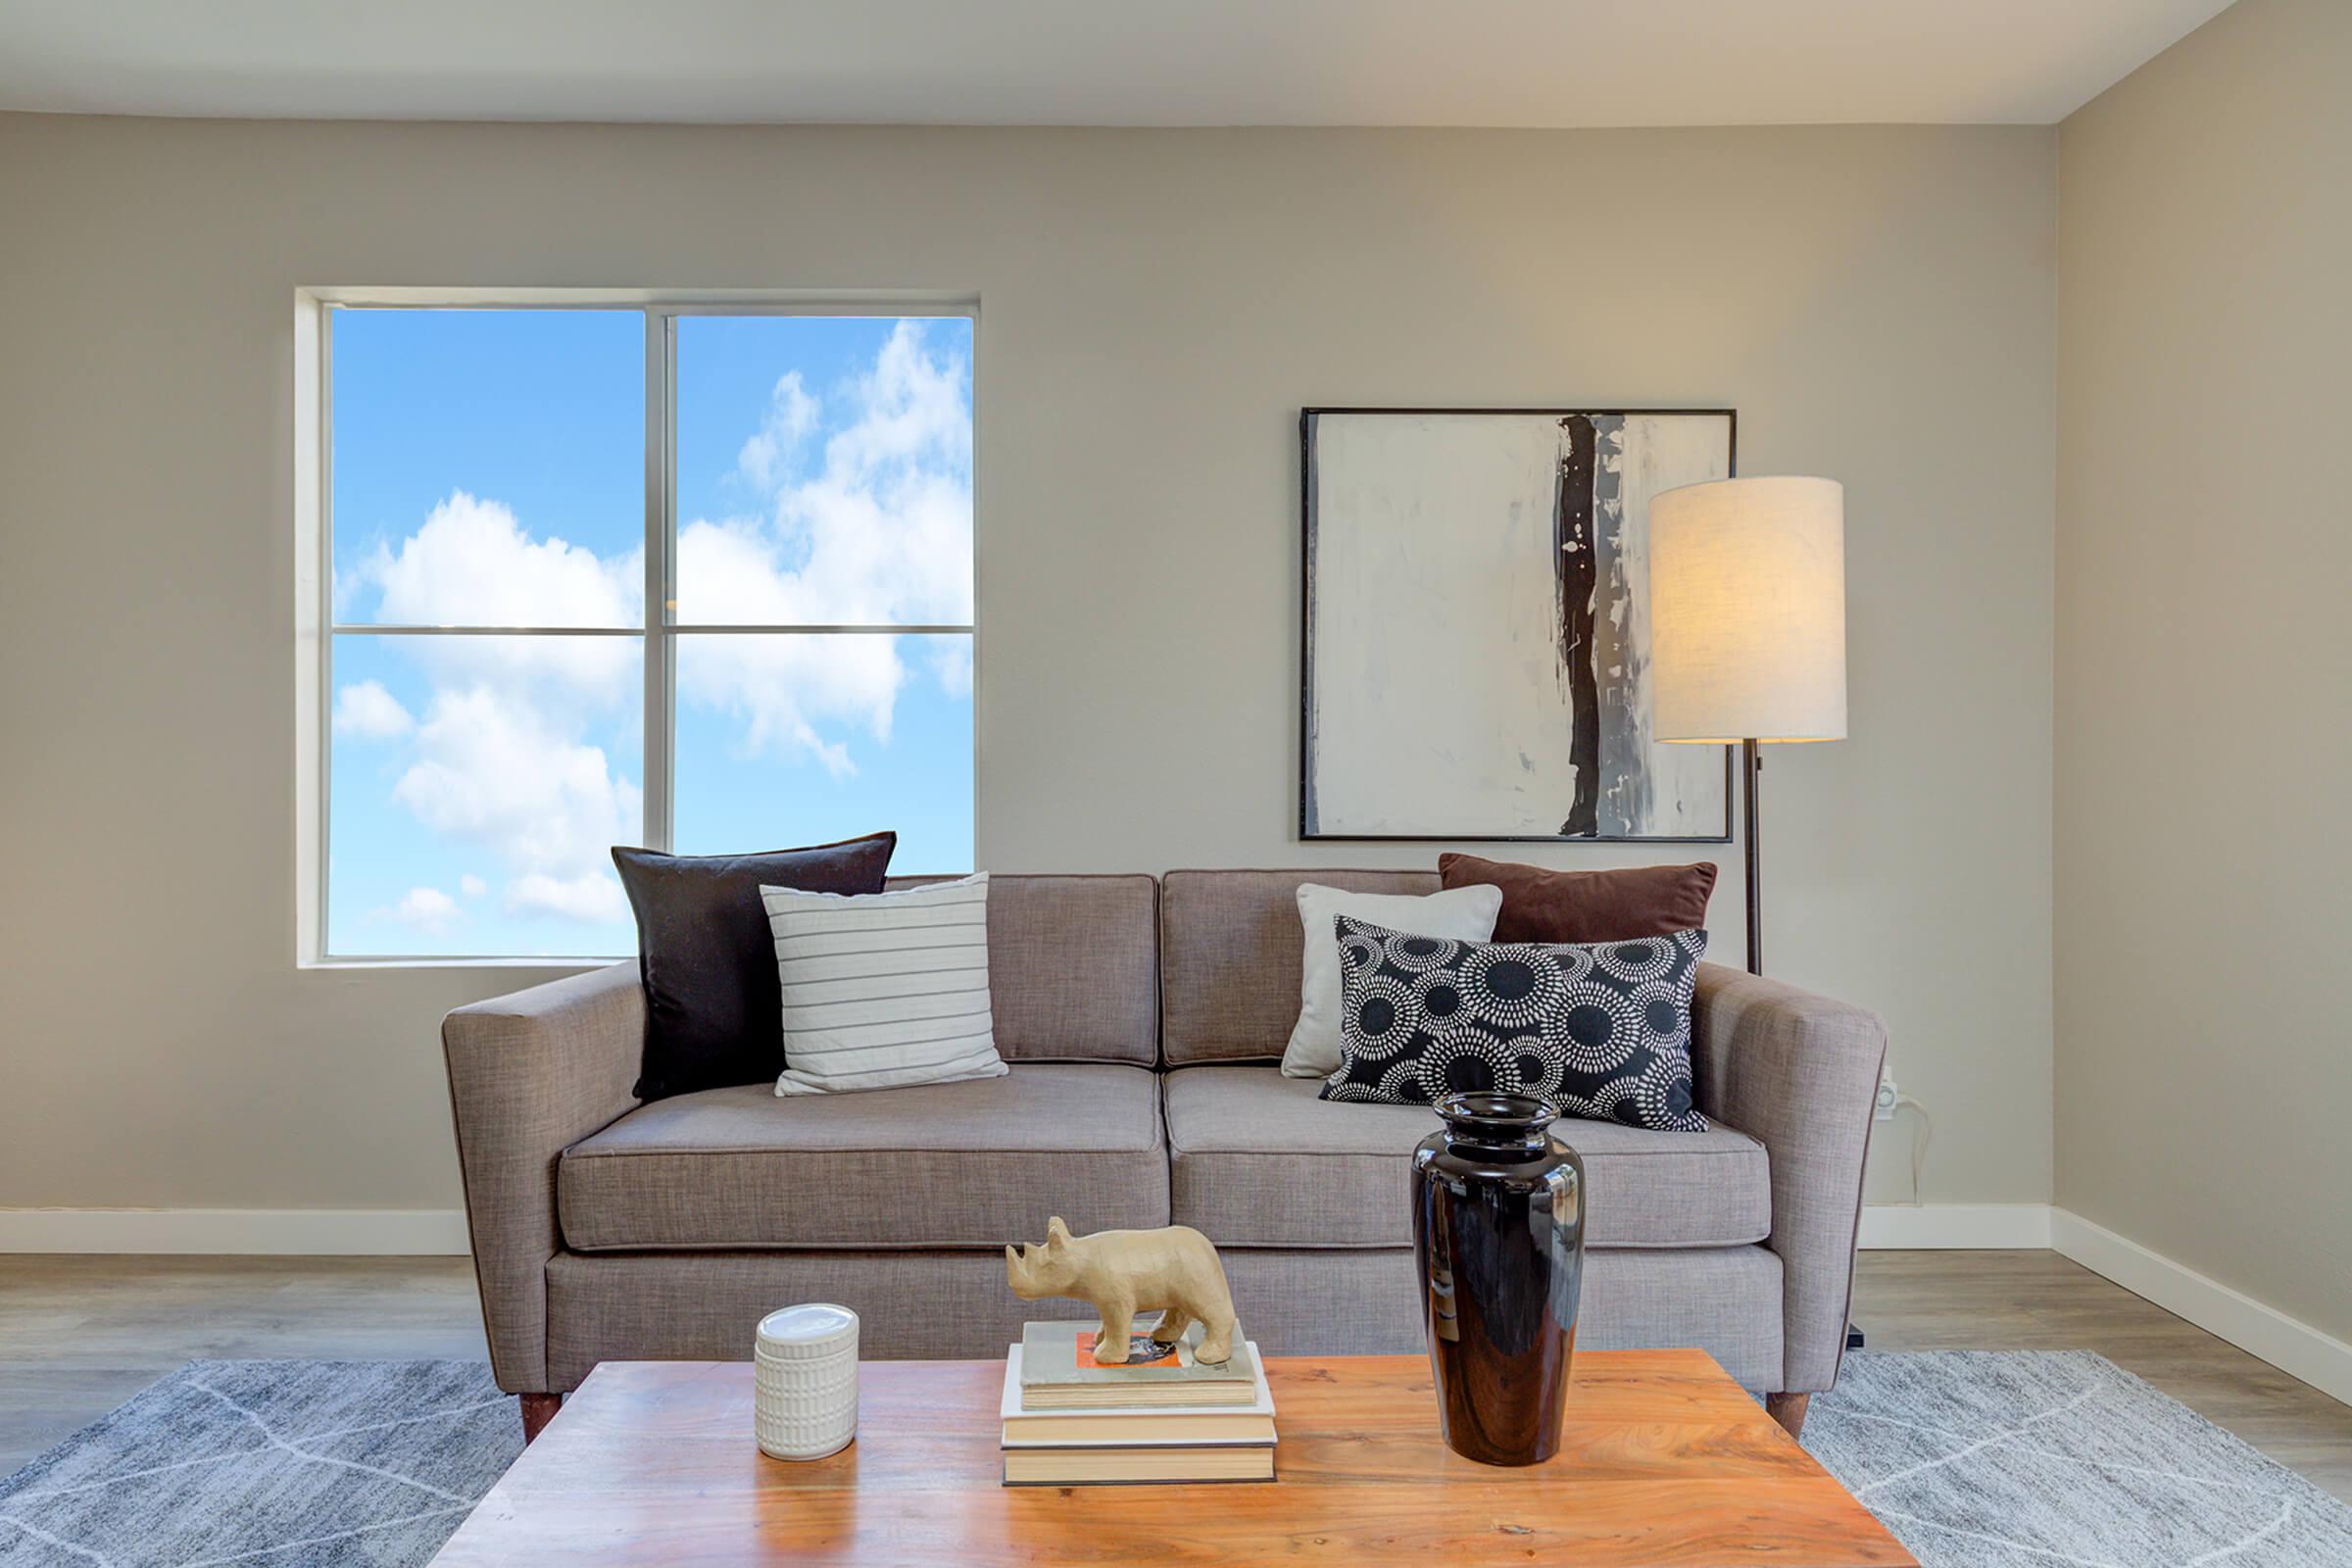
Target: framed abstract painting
(1477,626)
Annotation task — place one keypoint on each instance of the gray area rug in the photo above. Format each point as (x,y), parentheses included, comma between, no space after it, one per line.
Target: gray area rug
(267,1464)
(1988,1460)
(1975,1461)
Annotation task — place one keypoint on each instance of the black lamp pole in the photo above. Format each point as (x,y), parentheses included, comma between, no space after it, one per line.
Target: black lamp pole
(1751,766)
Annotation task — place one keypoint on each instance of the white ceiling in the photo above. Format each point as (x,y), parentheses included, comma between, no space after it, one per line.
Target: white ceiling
(1087,61)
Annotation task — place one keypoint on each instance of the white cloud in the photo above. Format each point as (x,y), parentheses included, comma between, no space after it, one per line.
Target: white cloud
(881,534)
(494,771)
(911,409)
(473,564)
(365,711)
(500,758)
(572,678)
(791,415)
(425,909)
(783,689)
(951,662)
(592,896)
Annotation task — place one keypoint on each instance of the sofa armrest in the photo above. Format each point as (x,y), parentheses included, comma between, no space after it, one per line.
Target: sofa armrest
(531,1074)
(1799,1073)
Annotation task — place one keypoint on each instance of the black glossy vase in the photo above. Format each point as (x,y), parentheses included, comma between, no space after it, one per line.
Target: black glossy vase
(1499,1234)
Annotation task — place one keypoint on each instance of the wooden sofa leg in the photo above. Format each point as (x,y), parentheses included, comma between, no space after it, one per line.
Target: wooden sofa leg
(538,1409)
(1789,1409)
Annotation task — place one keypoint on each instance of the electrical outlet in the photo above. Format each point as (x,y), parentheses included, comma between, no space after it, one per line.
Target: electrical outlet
(1884,1109)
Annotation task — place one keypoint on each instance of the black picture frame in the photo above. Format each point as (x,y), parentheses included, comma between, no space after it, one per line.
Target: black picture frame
(1308,831)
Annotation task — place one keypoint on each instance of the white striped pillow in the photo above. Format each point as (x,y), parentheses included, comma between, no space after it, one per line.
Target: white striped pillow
(882,990)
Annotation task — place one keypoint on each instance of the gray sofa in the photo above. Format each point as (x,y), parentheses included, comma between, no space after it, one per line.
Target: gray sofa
(1143,1018)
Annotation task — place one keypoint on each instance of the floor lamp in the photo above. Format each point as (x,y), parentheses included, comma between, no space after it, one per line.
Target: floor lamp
(1747,628)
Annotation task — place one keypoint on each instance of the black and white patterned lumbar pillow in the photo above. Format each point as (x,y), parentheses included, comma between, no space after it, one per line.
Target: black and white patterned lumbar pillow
(1601,1029)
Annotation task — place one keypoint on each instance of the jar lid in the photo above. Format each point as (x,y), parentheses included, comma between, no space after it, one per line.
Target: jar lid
(811,1329)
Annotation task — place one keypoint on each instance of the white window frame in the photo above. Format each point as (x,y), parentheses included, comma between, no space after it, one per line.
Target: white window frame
(317,628)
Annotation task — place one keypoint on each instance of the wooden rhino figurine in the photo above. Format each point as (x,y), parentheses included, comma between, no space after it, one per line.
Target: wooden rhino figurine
(1119,1272)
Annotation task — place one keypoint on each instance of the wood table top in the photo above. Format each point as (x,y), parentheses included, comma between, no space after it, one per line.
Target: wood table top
(1664,1461)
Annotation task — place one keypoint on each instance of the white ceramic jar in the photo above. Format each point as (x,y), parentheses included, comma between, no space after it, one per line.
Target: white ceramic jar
(804,1377)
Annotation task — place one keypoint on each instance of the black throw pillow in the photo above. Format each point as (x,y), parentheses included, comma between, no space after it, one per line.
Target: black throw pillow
(1600,1029)
(714,1007)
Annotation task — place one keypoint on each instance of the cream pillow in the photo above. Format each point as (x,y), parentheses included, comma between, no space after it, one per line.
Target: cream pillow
(884,990)
(1463,913)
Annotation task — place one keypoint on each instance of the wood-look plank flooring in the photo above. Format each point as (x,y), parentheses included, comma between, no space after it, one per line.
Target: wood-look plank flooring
(2042,1301)
(80,1335)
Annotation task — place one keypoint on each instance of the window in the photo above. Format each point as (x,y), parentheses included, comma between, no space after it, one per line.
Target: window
(680,576)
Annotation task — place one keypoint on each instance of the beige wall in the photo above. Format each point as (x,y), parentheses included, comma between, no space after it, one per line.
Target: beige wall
(2205,655)
(1877,303)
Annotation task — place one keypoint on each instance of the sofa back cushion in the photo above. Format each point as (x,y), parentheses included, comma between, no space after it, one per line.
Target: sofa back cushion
(1073,969)
(1231,950)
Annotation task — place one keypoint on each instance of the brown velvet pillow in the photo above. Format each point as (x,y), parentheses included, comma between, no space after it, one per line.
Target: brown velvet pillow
(1617,905)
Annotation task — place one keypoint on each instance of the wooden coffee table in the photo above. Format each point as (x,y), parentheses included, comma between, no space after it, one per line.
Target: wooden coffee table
(1664,1461)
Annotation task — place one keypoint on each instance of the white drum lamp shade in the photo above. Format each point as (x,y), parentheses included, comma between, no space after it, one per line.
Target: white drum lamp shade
(1747,610)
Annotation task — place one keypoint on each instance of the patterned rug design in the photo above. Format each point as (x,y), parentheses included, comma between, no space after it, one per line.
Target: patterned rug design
(267,1464)
(2030,1459)
(2011,1460)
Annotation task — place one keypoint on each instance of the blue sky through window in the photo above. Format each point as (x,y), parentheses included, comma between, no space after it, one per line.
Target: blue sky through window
(488,471)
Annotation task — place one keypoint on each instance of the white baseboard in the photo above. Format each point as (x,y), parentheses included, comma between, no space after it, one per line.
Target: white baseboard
(1900,1226)
(263,1232)
(2292,1346)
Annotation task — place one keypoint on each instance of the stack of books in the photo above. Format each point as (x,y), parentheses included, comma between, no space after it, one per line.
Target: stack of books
(1162,1416)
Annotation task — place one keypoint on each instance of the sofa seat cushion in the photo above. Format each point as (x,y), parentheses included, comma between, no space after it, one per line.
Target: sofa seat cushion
(970,1164)
(1257,1161)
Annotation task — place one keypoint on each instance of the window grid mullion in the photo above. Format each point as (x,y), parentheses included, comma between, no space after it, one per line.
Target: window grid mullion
(661,578)
(819,629)
(325,825)
(362,629)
